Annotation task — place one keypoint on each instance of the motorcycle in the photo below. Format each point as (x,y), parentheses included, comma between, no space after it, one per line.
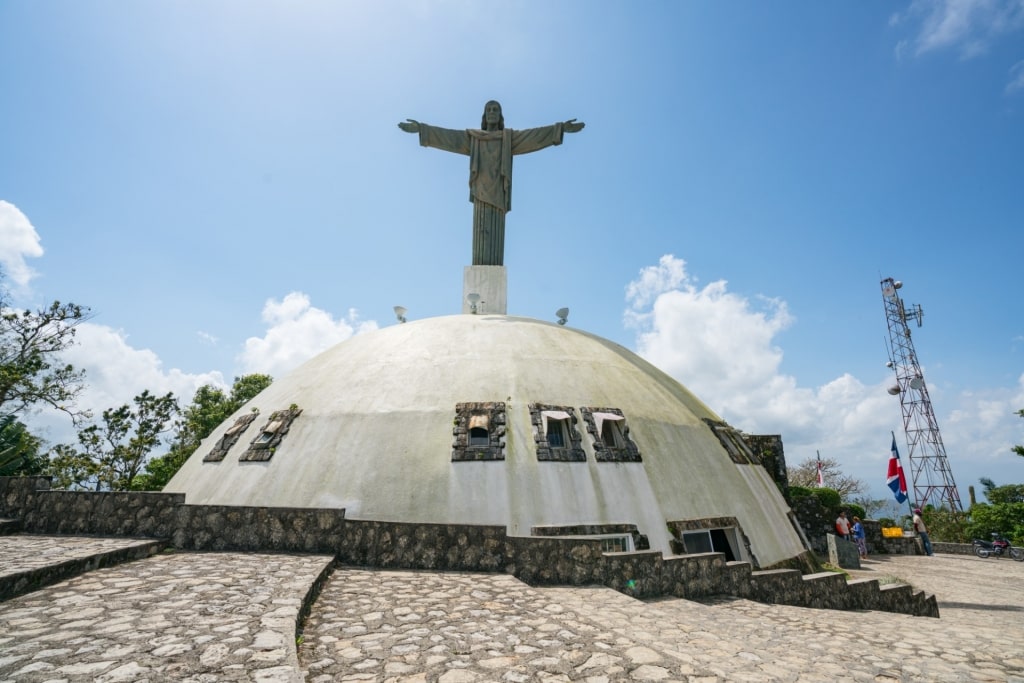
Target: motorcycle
(997,546)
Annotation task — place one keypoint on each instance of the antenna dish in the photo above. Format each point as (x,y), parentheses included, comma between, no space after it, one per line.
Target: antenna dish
(563,315)
(894,390)
(889,291)
(917,383)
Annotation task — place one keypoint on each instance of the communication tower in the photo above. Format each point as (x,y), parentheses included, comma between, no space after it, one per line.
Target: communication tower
(929,469)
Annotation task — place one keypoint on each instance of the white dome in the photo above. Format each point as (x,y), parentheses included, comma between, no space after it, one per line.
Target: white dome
(375,437)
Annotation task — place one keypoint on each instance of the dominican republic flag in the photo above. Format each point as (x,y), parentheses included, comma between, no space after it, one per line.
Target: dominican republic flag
(897,482)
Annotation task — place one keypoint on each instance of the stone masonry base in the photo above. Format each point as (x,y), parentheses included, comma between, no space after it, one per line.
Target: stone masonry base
(395,545)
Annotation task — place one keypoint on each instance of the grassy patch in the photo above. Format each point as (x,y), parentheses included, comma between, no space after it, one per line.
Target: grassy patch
(829,567)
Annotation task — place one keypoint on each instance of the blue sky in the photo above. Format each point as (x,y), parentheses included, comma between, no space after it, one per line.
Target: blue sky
(225,185)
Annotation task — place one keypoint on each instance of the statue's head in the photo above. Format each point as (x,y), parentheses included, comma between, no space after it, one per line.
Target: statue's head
(492,119)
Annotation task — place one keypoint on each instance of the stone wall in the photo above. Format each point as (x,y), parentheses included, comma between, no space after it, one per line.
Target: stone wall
(952,548)
(557,560)
(768,448)
(817,523)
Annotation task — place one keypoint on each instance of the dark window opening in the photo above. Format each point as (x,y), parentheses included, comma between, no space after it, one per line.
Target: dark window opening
(556,433)
(610,431)
(479,431)
(478,437)
(610,434)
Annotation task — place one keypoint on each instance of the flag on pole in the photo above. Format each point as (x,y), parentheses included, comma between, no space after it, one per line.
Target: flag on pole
(821,479)
(897,482)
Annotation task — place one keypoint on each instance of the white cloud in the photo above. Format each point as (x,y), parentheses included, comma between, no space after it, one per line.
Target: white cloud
(18,241)
(1016,81)
(967,26)
(115,373)
(720,345)
(296,332)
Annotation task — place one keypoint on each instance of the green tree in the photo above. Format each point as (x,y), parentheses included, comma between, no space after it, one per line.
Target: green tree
(1001,518)
(20,451)
(120,443)
(210,407)
(71,469)
(806,474)
(30,370)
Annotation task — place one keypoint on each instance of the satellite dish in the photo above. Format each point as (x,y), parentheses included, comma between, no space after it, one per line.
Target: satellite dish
(917,383)
(889,291)
(894,390)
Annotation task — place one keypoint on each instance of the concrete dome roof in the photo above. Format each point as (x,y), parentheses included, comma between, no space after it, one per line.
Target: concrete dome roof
(375,437)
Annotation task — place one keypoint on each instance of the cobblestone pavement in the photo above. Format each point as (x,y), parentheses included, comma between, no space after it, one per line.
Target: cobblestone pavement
(452,627)
(170,617)
(231,616)
(26,553)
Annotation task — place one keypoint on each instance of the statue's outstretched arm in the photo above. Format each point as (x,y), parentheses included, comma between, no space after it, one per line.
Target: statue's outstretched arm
(570,126)
(412,126)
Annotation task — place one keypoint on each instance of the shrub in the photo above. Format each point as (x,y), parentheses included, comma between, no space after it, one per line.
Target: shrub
(854,510)
(799,492)
(947,526)
(1004,518)
(886,522)
(829,498)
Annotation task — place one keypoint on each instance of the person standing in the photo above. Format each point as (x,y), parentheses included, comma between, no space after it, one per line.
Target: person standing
(922,531)
(860,537)
(843,526)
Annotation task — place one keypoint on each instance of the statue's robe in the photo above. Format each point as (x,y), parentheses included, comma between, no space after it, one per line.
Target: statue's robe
(490,176)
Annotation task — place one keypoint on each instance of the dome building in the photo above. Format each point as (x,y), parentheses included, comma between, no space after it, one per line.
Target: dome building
(489,419)
(498,420)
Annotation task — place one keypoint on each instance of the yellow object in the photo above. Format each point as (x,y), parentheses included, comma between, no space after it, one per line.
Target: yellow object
(892,532)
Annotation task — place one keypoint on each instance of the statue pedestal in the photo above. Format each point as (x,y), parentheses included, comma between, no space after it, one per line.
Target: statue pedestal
(491,283)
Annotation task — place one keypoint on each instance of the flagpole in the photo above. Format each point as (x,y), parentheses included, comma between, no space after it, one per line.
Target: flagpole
(910,505)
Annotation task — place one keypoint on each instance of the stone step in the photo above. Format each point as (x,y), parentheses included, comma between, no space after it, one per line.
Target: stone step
(9,527)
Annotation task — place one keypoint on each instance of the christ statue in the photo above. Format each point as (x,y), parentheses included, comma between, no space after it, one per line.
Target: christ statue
(490,152)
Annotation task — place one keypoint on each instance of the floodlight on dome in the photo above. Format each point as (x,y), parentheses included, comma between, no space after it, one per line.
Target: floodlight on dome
(400,313)
(563,315)
(474,300)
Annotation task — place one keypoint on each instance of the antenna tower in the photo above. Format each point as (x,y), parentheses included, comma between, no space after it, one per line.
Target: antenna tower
(932,479)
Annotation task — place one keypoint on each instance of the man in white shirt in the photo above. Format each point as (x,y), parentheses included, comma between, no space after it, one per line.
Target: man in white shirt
(843,526)
(922,531)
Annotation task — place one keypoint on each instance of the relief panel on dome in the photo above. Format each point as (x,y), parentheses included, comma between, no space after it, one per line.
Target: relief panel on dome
(610,432)
(733,443)
(262,448)
(230,437)
(479,431)
(555,432)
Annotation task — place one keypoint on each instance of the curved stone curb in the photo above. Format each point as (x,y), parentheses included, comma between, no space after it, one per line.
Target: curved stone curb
(20,558)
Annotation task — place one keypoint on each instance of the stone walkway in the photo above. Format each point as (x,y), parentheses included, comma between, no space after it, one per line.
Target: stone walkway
(453,628)
(171,617)
(231,616)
